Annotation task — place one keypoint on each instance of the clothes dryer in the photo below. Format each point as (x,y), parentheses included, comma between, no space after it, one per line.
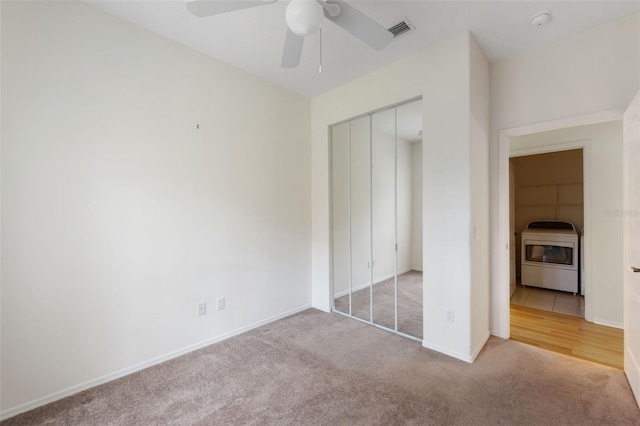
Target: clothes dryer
(550,256)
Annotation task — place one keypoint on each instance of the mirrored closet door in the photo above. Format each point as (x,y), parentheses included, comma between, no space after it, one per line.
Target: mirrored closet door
(376,218)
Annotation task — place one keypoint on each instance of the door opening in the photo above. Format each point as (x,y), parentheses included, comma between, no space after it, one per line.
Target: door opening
(501,290)
(600,143)
(547,221)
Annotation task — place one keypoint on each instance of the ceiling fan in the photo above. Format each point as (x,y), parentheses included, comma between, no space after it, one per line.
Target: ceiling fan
(304,18)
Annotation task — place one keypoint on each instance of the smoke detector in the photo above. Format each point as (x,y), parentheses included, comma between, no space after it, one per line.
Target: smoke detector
(540,18)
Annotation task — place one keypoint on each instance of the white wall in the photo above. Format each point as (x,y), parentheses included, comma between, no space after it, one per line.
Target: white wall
(119,216)
(604,262)
(442,76)
(588,72)
(479,192)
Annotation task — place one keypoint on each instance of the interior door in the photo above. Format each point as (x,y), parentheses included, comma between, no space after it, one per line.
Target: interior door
(631,143)
(383,216)
(340,218)
(360,214)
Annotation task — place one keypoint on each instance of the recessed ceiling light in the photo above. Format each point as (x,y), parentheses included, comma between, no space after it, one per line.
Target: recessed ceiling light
(540,18)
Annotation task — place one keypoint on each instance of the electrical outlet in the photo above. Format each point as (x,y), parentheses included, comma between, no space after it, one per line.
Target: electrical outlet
(202,309)
(449,315)
(220,302)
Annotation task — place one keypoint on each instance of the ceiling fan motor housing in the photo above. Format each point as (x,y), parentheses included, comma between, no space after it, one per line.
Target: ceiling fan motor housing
(304,17)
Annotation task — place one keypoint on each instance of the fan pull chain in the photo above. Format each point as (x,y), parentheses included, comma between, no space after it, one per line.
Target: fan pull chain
(320,67)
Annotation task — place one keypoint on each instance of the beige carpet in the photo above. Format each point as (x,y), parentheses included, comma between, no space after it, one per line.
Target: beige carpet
(409,303)
(315,368)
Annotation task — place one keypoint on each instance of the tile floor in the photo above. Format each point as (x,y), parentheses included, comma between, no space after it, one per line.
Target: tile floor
(549,300)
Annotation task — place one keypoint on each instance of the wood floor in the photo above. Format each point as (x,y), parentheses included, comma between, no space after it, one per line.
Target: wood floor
(568,335)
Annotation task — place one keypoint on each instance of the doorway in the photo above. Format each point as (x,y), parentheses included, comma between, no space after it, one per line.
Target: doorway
(599,204)
(599,137)
(547,220)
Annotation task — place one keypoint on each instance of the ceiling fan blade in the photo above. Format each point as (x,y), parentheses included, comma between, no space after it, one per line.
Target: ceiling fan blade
(360,25)
(202,8)
(292,50)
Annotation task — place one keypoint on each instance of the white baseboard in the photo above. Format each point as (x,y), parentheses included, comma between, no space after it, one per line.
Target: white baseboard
(470,358)
(475,351)
(27,406)
(500,333)
(322,308)
(354,289)
(608,323)
(361,286)
(462,357)
(365,285)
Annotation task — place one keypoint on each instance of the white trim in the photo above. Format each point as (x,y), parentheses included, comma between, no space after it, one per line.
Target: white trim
(475,352)
(322,308)
(330,186)
(354,289)
(365,285)
(608,323)
(446,351)
(27,406)
(372,112)
(503,328)
(555,147)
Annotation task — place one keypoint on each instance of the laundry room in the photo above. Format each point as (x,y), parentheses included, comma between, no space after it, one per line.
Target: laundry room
(548,209)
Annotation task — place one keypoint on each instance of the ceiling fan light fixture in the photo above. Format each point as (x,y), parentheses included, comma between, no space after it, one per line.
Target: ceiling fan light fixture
(304,17)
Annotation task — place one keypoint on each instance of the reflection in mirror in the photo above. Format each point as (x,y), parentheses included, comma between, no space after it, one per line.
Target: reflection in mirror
(360,190)
(340,216)
(409,190)
(383,194)
(376,218)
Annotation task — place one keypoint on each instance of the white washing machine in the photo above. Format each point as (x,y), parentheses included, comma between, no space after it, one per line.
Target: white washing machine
(550,256)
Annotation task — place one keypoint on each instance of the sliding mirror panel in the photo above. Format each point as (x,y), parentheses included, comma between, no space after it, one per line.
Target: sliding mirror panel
(376,218)
(409,218)
(340,201)
(360,190)
(383,201)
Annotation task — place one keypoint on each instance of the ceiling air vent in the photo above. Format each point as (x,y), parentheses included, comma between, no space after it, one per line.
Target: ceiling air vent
(400,28)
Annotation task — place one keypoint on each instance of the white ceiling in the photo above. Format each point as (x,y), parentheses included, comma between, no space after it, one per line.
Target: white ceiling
(252,39)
